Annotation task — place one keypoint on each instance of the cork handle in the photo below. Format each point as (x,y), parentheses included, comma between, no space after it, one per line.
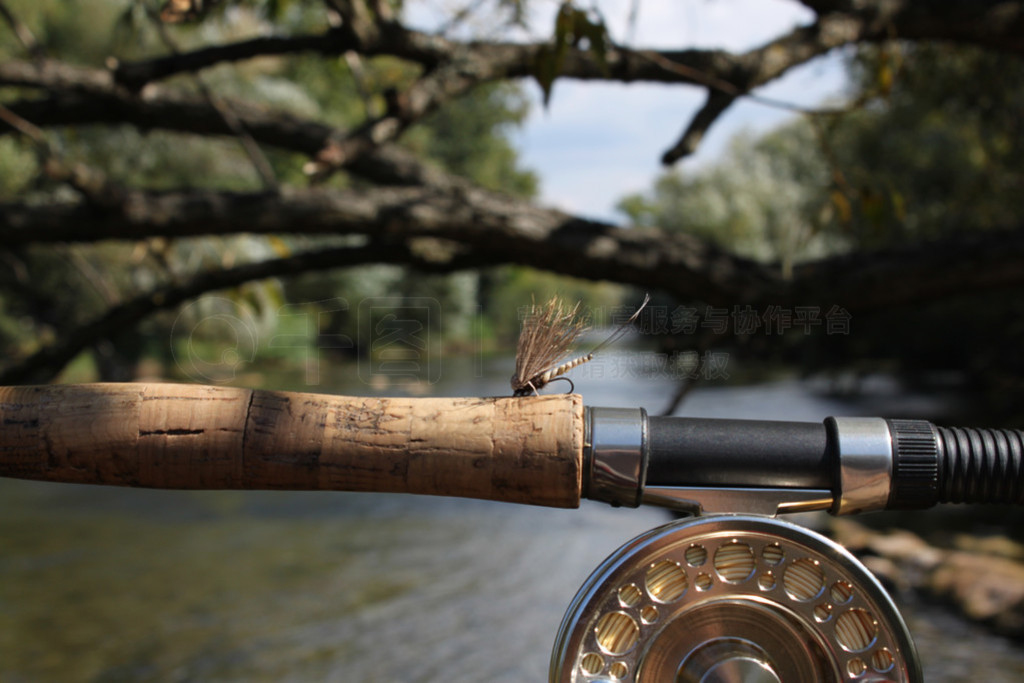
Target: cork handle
(519,450)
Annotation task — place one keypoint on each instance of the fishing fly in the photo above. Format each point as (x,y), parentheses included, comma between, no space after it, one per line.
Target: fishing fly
(548,333)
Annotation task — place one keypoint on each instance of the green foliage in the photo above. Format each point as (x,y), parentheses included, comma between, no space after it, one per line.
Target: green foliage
(515,288)
(470,137)
(933,148)
(60,26)
(17,167)
(574,29)
(763,200)
(939,153)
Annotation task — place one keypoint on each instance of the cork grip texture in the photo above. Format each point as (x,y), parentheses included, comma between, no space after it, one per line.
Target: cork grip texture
(519,450)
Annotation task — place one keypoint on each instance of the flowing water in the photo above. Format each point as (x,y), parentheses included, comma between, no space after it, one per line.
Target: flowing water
(106,584)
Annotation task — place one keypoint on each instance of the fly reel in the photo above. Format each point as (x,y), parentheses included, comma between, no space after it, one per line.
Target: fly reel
(732,598)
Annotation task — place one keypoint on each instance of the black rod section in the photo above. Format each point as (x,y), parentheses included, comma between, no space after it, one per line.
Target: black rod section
(980,465)
(709,452)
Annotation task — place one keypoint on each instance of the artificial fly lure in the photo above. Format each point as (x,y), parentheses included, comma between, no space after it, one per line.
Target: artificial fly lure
(548,333)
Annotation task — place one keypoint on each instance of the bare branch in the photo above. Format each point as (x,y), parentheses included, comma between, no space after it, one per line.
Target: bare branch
(717,103)
(97,99)
(136,75)
(992,23)
(23,126)
(404,108)
(493,228)
(53,75)
(355,67)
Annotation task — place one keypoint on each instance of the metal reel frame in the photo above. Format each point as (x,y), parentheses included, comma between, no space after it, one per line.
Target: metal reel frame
(732,598)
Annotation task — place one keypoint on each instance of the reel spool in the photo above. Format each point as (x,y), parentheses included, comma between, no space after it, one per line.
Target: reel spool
(732,598)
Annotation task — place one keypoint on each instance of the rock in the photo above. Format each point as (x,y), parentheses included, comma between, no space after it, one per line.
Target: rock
(986,584)
(985,587)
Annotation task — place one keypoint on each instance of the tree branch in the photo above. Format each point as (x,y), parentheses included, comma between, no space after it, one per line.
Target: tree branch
(89,96)
(453,68)
(136,75)
(489,224)
(993,23)
(911,275)
(715,105)
(495,228)
(672,262)
(429,92)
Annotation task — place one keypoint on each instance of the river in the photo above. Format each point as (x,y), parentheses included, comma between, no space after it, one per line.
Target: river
(106,584)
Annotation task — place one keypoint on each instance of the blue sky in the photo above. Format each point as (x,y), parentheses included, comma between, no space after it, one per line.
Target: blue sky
(597,142)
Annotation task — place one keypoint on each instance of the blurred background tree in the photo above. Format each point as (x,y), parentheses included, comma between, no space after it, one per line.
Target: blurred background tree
(209,190)
(307,156)
(926,151)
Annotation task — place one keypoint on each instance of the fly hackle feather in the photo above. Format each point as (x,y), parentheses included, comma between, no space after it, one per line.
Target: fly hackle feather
(548,333)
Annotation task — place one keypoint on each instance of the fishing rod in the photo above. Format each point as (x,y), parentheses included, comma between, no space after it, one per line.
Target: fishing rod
(791,604)
(548,450)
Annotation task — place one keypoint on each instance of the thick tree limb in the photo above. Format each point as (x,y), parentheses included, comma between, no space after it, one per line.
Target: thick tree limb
(858,283)
(493,228)
(965,264)
(487,223)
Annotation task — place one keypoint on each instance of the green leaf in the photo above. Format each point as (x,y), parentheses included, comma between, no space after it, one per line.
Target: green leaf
(545,71)
(551,58)
(842,206)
